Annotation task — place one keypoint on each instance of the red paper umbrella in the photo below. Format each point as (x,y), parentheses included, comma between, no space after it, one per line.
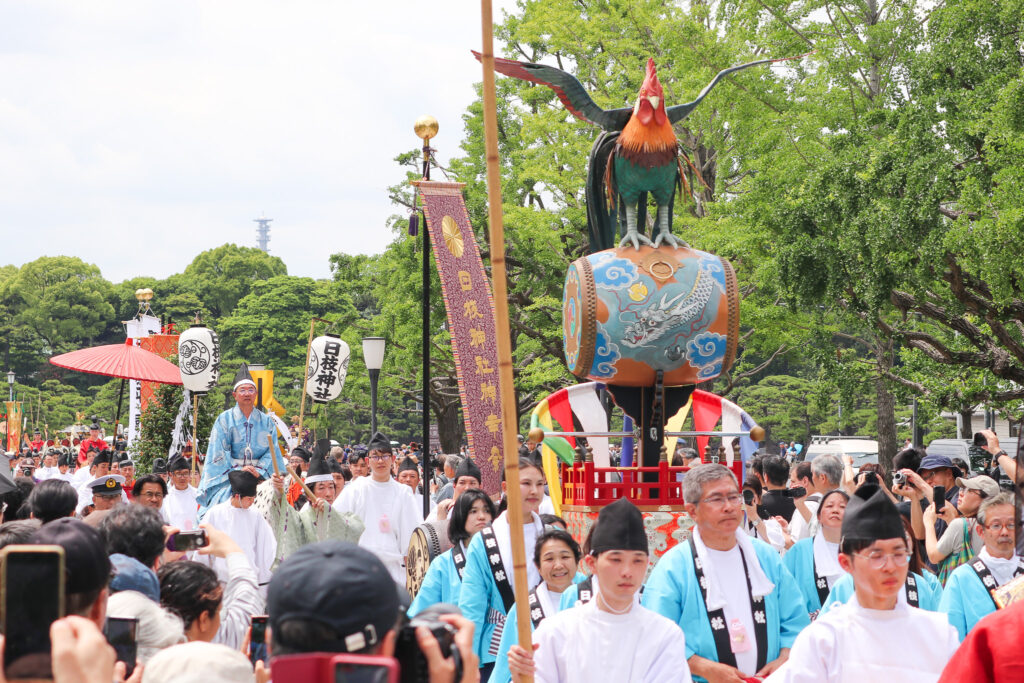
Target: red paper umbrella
(126,361)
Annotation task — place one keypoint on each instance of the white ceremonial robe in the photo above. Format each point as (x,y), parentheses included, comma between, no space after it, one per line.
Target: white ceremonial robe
(388,511)
(180,508)
(81,476)
(853,644)
(250,531)
(586,645)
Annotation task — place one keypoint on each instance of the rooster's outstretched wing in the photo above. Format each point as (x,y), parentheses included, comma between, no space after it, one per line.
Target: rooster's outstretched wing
(681,111)
(568,89)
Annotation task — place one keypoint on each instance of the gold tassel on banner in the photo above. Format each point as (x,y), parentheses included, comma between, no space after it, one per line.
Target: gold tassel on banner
(504,338)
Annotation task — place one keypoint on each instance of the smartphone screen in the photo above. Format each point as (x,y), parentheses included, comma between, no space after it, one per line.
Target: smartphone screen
(120,633)
(37,573)
(258,640)
(185,541)
(350,672)
(939,497)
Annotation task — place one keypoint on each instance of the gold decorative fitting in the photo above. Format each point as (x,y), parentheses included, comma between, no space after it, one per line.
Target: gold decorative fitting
(452,236)
(659,267)
(426,127)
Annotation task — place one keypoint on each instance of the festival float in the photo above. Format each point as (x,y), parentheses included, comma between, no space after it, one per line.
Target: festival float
(645,319)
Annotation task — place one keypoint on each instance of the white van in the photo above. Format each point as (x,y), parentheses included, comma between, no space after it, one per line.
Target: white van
(863,451)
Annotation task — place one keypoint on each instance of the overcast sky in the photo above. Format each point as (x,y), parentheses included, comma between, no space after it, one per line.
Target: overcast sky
(135,135)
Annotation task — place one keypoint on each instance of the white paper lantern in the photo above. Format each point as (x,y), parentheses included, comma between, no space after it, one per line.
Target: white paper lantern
(328,365)
(199,359)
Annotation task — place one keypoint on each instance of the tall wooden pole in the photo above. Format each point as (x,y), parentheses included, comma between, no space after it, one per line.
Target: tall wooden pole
(195,431)
(305,378)
(499,283)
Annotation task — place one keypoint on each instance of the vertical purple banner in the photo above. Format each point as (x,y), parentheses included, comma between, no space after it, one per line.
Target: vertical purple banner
(470,310)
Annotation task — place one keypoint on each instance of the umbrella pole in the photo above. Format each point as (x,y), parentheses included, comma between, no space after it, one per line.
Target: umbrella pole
(117,419)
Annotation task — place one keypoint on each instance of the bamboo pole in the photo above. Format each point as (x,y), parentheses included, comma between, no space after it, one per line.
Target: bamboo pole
(500,287)
(195,432)
(305,378)
(273,460)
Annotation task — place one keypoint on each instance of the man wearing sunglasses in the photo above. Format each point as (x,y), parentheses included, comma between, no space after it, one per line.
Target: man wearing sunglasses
(239,441)
(876,636)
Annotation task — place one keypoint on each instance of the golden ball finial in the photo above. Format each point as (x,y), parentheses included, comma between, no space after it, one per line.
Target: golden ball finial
(144,294)
(425,127)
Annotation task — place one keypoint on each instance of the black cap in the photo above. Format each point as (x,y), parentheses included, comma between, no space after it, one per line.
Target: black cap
(103,456)
(242,377)
(242,483)
(467,468)
(302,452)
(160,465)
(379,442)
(322,447)
(620,526)
(319,470)
(337,584)
(177,463)
(334,466)
(85,555)
(407,464)
(64,460)
(94,425)
(871,516)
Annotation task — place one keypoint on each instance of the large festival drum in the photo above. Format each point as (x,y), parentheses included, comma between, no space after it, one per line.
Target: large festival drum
(429,540)
(627,313)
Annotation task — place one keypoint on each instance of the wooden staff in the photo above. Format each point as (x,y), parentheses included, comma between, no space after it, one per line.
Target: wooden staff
(273,460)
(500,286)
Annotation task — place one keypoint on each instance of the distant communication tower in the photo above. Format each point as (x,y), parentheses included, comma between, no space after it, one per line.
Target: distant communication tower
(263,232)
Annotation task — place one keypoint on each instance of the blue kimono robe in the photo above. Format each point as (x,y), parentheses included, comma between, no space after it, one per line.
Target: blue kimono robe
(929,592)
(672,591)
(441,584)
(965,600)
(230,435)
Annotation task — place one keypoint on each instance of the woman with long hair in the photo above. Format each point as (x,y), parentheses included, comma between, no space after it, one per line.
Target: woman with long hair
(471,513)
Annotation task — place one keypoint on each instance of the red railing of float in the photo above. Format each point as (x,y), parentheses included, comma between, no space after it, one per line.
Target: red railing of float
(583,483)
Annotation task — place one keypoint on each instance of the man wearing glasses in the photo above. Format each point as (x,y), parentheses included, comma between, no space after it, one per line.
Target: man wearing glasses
(739,607)
(180,507)
(967,596)
(876,636)
(238,441)
(386,508)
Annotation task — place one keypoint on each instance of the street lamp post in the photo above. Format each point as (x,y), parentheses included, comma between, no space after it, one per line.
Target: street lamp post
(373,355)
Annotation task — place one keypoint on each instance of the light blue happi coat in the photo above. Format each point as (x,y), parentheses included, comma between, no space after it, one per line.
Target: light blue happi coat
(441,583)
(965,600)
(929,592)
(672,591)
(232,433)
